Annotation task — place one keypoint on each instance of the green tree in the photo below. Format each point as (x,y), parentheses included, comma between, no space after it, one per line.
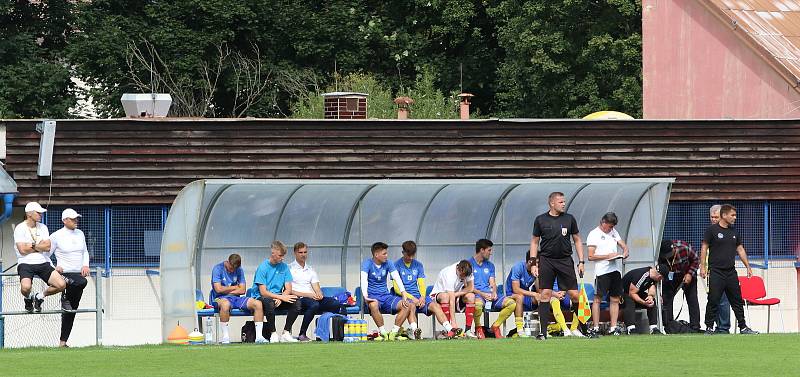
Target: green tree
(568,58)
(34,77)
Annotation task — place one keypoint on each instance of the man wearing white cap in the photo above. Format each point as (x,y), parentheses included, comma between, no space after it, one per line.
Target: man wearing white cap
(72,260)
(32,245)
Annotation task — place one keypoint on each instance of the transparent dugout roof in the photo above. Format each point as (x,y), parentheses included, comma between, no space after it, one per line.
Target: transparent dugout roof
(212,218)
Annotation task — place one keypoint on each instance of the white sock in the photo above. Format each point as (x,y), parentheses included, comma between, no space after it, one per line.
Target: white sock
(225,331)
(412,326)
(395,328)
(382,330)
(39,296)
(259,330)
(653,327)
(632,328)
(447,326)
(610,329)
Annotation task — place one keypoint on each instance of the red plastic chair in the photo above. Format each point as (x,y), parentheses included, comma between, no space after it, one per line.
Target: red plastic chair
(754,294)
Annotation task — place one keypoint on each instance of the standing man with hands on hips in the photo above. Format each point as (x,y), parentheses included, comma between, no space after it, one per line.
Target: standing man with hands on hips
(555,230)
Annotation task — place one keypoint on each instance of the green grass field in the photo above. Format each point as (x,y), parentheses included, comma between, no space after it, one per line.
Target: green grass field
(732,355)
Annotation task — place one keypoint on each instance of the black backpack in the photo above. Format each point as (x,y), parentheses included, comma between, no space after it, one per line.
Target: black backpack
(249,332)
(678,327)
(337,328)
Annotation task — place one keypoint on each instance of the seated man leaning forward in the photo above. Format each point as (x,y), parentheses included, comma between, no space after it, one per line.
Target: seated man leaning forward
(272,285)
(521,289)
(453,289)
(305,284)
(412,273)
(227,288)
(639,291)
(375,273)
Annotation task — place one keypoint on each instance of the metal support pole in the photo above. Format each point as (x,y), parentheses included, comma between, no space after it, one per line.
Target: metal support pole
(107,218)
(766,234)
(360,258)
(98,304)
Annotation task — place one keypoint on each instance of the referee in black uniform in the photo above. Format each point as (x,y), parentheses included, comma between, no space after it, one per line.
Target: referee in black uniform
(723,238)
(555,229)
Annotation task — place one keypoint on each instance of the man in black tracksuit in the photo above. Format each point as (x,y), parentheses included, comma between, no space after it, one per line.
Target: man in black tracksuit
(726,243)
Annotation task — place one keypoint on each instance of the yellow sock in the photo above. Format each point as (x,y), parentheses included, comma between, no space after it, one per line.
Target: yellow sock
(478,315)
(520,324)
(508,308)
(556,305)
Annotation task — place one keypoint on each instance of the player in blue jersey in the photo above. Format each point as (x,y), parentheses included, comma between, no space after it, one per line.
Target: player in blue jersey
(412,277)
(375,273)
(227,288)
(485,287)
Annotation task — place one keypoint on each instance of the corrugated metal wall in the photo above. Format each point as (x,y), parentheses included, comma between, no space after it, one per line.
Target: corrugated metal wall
(128,161)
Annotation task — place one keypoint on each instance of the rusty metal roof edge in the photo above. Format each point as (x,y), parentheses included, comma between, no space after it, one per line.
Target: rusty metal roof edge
(750,41)
(438,181)
(366,121)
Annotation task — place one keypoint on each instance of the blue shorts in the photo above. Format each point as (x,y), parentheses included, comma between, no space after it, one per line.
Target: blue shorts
(424,308)
(237,302)
(388,303)
(528,304)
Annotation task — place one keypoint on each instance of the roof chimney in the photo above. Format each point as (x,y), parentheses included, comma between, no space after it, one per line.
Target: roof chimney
(345,105)
(403,104)
(465,97)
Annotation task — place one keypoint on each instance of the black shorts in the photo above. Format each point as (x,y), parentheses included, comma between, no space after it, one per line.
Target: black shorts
(610,283)
(562,269)
(42,270)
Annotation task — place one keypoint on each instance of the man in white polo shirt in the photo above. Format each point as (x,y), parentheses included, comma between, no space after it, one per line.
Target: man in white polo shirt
(32,245)
(305,285)
(72,260)
(603,243)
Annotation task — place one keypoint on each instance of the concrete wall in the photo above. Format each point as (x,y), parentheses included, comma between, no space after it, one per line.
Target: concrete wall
(695,67)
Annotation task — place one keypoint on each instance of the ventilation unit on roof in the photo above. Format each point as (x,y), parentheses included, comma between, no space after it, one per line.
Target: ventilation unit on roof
(146,105)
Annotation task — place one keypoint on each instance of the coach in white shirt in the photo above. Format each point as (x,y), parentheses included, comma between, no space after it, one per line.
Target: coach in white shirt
(72,260)
(305,285)
(32,245)
(604,243)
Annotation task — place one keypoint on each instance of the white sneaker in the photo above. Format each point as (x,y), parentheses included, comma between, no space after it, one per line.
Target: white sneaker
(261,340)
(227,340)
(274,338)
(470,334)
(288,338)
(577,333)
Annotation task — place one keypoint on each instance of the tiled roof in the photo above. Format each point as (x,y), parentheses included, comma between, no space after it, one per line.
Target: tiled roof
(770,27)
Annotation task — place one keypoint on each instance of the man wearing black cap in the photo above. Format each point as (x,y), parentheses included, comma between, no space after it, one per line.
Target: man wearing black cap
(683,263)
(639,292)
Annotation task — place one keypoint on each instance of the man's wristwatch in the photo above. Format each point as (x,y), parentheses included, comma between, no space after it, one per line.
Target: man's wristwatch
(581,262)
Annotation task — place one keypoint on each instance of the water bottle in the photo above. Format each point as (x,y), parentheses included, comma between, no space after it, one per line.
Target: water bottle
(207,329)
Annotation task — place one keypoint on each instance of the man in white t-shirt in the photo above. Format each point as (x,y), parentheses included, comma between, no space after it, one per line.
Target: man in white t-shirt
(32,245)
(305,285)
(453,291)
(72,261)
(603,243)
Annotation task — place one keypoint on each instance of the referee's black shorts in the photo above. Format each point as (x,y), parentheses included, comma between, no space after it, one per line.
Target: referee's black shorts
(562,269)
